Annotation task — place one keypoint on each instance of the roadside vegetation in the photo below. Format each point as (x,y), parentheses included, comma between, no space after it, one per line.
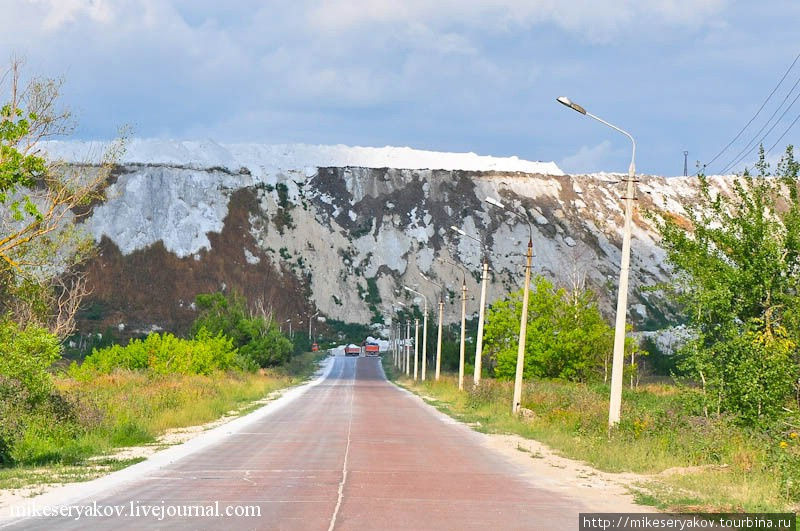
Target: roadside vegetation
(724,433)
(128,395)
(691,463)
(59,422)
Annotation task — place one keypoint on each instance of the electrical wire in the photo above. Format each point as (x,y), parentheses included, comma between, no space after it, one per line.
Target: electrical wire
(784,134)
(750,148)
(715,157)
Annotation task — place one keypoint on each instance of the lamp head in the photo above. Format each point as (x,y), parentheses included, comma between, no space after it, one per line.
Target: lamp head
(563,100)
(494,202)
(456,229)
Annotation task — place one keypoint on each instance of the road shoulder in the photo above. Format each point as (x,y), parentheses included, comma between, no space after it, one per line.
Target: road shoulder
(599,491)
(172,447)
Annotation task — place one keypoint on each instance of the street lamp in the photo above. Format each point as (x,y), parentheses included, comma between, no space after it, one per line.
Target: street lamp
(416,348)
(484,280)
(408,347)
(523,321)
(398,336)
(310,320)
(439,335)
(461,356)
(615,403)
(424,335)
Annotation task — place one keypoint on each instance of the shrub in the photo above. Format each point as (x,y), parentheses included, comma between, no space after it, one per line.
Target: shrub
(258,339)
(567,337)
(31,409)
(27,354)
(163,354)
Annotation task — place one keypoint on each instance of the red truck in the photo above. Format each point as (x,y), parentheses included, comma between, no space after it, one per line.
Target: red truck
(352,350)
(372,349)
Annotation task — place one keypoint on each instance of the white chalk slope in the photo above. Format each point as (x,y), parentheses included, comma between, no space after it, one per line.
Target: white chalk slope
(265,158)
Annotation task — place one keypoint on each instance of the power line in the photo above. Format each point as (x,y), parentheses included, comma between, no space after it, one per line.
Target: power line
(738,160)
(715,157)
(784,133)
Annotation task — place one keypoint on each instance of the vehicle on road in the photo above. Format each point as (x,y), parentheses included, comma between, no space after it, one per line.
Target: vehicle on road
(352,350)
(372,349)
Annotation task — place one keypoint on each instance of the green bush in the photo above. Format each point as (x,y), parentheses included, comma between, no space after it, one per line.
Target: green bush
(258,339)
(30,407)
(27,354)
(162,354)
(567,337)
(735,258)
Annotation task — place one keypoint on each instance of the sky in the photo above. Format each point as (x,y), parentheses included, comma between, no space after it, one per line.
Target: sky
(445,75)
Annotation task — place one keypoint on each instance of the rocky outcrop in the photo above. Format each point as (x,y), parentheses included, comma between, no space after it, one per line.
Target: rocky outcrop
(344,239)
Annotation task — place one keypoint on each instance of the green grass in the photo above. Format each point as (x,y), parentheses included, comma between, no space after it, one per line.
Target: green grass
(691,463)
(131,408)
(28,476)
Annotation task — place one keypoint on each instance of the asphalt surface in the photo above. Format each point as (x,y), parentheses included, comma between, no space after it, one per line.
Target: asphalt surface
(353,452)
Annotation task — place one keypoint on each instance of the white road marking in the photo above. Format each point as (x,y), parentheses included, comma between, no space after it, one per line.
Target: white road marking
(346,456)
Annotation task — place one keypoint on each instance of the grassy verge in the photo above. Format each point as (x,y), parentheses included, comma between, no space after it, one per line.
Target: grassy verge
(130,408)
(28,476)
(690,463)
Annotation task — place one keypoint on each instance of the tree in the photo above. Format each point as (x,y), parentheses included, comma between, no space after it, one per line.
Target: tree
(736,258)
(566,338)
(41,242)
(257,337)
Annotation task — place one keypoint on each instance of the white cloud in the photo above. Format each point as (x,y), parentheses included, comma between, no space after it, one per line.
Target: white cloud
(457,75)
(590,19)
(61,12)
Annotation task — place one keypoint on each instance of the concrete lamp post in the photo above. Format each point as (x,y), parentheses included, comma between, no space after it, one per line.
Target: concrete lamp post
(523,321)
(401,356)
(416,348)
(310,320)
(461,358)
(615,403)
(405,359)
(482,311)
(439,334)
(398,336)
(408,347)
(424,335)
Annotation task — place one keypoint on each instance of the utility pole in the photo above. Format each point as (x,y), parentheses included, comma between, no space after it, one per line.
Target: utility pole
(685,163)
(425,330)
(463,333)
(523,326)
(439,338)
(416,346)
(425,341)
(310,320)
(523,321)
(481,313)
(479,343)
(398,341)
(408,347)
(615,401)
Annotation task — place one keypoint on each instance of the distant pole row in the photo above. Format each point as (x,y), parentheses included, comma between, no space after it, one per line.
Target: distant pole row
(401,346)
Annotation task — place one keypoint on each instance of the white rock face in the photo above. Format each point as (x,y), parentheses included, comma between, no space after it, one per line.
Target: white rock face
(264,158)
(355,226)
(175,206)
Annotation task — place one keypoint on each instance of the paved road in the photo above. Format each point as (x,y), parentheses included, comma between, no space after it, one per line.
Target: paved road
(353,452)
